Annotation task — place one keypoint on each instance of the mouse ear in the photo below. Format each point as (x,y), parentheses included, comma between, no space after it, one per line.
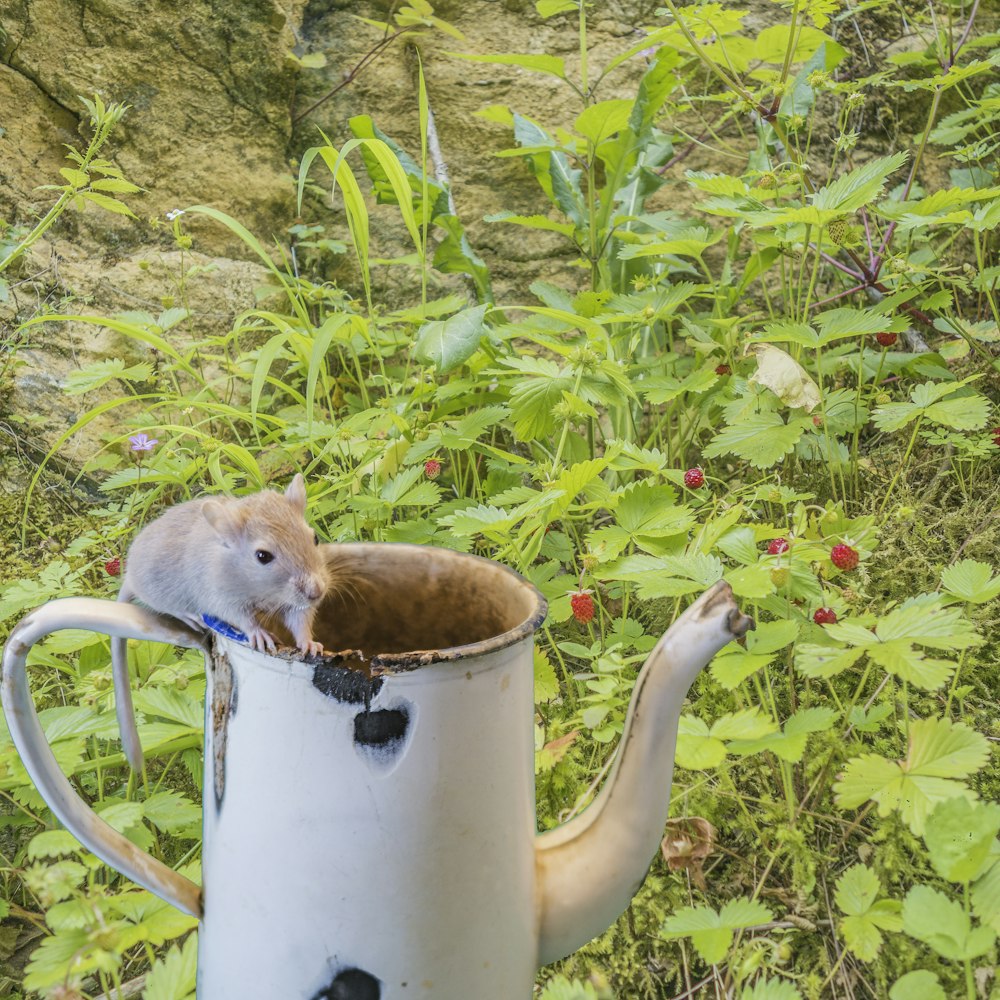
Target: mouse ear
(223,519)
(296,492)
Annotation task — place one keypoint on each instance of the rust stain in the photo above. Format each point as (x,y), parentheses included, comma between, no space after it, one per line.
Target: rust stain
(223,706)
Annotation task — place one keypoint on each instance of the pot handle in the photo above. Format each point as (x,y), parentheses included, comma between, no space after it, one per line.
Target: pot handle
(114,619)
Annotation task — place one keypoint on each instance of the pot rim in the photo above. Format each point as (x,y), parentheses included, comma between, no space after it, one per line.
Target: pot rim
(381,664)
(403,662)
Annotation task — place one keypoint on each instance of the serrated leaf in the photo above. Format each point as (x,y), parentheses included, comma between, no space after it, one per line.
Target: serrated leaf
(790,743)
(866,917)
(546,681)
(930,916)
(971,581)
(52,844)
(858,187)
(173,976)
(696,749)
(985,897)
(99,373)
(711,933)
(941,753)
(170,811)
(960,835)
(108,204)
(762,439)
(824,661)
(747,724)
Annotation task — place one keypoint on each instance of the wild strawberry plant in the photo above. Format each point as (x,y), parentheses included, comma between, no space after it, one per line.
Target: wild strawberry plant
(752,372)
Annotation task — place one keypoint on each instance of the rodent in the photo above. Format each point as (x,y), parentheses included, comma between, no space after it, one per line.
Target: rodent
(236,559)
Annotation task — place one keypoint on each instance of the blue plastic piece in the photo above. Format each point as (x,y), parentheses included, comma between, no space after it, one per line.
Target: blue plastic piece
(217,625)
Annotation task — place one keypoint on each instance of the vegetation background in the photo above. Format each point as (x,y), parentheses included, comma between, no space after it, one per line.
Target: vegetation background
(630,297)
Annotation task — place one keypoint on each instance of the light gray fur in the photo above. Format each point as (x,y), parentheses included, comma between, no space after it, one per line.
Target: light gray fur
(200,558)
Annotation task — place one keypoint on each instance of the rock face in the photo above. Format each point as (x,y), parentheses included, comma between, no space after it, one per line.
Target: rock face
(209,84)
(219,100)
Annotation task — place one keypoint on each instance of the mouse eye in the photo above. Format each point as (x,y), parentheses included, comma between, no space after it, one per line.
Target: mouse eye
(315,538)
(263,556)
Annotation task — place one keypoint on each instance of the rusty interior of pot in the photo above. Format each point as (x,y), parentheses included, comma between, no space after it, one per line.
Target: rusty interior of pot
(392,601)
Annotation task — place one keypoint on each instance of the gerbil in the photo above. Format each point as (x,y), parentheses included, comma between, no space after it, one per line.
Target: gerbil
(233,559)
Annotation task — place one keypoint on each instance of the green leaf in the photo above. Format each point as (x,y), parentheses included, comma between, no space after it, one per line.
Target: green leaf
(173,976)
(941,754)
(700,748)
(697,749)
(971,581)
(602,120)
(790,744)
(448,343)
(711,932)
(918,985)
(859,187)
(93,376)
(930,916)
(866,917)
(762,439)
(924,621)
(960,835)
(561,988)
(108,204)
(171,811)
(824,661)
(985,896)
(546,681)
(52,844)
(770,989)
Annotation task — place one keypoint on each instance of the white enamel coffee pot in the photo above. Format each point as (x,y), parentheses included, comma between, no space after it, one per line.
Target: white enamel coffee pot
(369,817)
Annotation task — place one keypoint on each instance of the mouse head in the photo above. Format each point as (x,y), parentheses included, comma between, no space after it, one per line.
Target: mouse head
(270,551)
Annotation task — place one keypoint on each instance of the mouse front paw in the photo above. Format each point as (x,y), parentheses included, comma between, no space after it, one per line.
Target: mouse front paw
(261,640)
(310,647)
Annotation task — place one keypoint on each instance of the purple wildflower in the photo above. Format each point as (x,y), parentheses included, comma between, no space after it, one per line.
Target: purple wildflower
(142,442)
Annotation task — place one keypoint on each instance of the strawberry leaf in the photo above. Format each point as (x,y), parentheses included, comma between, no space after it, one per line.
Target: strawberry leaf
(960,835)
(762,439)
(711,932)
(930,916)
(866,916)
(941,753)
(971,581)
(918,985)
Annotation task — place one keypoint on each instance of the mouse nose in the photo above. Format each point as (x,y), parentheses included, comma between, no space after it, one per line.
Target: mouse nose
(312,587)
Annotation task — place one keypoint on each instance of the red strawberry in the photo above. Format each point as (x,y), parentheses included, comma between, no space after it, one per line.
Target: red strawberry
(723,370)
(694,479)
(583,606)
(113,567)
(825,616)
(886,339)
(777,546)
(996,436)
(432,468)
(844,557)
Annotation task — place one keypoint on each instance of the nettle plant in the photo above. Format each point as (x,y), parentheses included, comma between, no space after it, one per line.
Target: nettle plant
(714,401)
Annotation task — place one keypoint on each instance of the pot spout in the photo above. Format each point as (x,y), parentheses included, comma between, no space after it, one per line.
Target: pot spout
(589,868)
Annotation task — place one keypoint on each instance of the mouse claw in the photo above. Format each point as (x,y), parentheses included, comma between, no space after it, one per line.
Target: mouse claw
(262,641)
(311,648)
